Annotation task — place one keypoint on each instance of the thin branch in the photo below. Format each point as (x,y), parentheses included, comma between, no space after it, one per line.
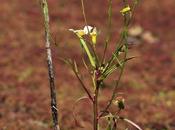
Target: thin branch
(82,84)
(84,14)
(74,69)
(109,31)
(54,108)
(114,91)
(123,33)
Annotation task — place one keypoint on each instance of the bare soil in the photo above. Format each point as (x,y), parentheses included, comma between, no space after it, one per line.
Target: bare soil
(148,83)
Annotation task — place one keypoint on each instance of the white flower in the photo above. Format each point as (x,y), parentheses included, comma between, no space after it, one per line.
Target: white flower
(87,30)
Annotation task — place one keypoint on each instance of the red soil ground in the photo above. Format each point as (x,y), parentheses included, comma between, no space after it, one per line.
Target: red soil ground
(148,82)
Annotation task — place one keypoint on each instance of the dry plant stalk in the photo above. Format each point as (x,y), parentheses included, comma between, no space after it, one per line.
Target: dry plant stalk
(54,108)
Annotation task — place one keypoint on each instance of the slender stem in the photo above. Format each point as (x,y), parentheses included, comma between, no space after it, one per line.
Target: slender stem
(95,105)
(54,108)
(83,85)
(125,27)
(117,83)
(84,14)
(109,31)
(119,43)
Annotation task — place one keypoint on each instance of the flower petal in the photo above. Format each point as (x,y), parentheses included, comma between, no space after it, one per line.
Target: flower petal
(87,29)
(125,10)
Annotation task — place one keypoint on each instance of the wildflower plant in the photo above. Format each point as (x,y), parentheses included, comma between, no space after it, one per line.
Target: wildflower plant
(100,67)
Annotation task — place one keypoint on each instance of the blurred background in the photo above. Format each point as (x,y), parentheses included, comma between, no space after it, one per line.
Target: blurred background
(147,84)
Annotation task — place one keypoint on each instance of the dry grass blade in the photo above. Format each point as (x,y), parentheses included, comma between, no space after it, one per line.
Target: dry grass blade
(131,122)
(78,123)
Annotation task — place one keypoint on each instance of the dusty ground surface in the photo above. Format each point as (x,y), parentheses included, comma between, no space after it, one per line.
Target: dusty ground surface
(148,83)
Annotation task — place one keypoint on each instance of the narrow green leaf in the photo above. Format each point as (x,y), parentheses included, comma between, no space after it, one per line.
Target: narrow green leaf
(114,67)
(110,70)
(117,60)
(91,58)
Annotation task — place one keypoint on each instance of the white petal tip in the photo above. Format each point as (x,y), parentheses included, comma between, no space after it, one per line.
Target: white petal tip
(72,30)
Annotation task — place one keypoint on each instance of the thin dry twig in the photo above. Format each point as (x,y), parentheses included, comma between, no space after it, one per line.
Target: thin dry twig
(81,82)
(54,108)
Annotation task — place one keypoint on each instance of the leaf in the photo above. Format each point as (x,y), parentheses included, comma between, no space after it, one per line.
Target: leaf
(117,60)
(85,65)
(109,70)
(91,58)
(118,51)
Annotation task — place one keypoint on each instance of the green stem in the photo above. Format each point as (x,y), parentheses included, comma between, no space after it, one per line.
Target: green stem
(109,30)
(117,83)
(95,105)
